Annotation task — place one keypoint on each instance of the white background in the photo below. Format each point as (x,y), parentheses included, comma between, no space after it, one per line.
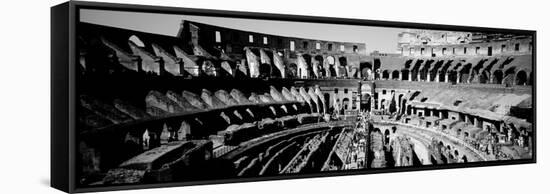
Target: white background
(25,96)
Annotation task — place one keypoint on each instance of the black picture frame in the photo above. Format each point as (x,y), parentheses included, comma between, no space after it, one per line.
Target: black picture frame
(64,22)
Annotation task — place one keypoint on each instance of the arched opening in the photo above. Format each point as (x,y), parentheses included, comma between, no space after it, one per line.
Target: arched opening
(387,136)
(330,60)
(453,76)
(331,69)
(441,75)
(343,61)
(343,64)
(319,61)
(345,103)
(435,70)
(327,100)
(484,77)
(265,70)
(509,76)
(405,74)
(415,70)
(465,73)
(400,101)
(424,70)
(385,74)
(366,70)
(354,72)
(395,75)
(365,102)
(521,78)
(376,68)
(497,77)
(308,59)
(292,70)
(382,104)
(366,73)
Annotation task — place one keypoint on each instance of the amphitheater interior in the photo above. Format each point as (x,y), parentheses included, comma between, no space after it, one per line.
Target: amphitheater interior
(154,108)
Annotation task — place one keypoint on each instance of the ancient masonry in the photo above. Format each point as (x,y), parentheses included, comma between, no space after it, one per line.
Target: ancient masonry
(215,103)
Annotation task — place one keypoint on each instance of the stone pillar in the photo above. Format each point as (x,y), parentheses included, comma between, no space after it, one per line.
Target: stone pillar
(476,122)
(139,64)
(466,118)
(410,76)
(428,77)
(400,76)
(436,77)
(160,62)
(418,77)
(446,77)
(372,107)
(458,75)
(181,65)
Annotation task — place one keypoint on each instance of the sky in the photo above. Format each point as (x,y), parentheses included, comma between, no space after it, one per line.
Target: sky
(376,38)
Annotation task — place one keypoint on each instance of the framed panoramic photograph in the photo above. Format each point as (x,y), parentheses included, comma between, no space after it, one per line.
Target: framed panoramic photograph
(147,96)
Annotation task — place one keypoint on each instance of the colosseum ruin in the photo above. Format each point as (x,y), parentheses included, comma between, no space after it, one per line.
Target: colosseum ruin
(216,103)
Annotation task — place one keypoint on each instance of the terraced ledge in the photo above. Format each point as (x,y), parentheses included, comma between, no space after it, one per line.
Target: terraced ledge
(260,140)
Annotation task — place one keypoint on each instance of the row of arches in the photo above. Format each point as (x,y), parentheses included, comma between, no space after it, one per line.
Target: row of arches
(508,77)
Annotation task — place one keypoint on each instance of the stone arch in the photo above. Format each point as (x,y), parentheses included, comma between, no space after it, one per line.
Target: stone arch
(345,104)
(292,70)
(452,75)
(441,74)
(265,70)
(416,70)
(497,77)
(400,101)
(484,77)
(320,61)
(366,102)
(509,76)
(343,61)
(353,72)
(366,73)
(385,74)
(405,74)
(521,78)
(424,71)
(328,101)
(382,104)
(435,70)
(366,69)
(387,136)
(309,65)
(465,73)
(330,60)
(395,75)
